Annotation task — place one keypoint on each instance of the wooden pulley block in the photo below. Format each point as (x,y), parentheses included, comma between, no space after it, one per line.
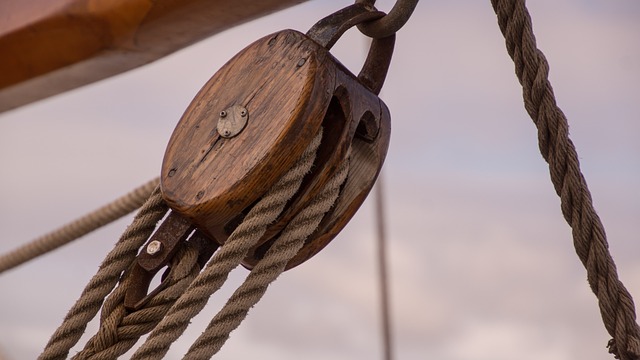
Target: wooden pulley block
(254,118)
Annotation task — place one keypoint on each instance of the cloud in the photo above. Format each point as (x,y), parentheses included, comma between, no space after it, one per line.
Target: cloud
(482,264)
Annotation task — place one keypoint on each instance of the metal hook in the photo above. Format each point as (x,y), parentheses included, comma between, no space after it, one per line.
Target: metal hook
(390,23)
(329,29)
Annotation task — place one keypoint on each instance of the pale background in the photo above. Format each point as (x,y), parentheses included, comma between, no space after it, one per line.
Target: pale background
(481,261)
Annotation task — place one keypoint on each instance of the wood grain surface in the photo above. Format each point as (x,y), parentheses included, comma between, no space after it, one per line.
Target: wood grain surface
(213,180)
(291,86)
(51,46)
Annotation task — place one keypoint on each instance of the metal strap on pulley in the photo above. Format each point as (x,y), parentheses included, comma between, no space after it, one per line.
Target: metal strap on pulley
(283,136)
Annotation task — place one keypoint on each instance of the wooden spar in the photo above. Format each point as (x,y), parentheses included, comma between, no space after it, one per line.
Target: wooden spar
(48,47)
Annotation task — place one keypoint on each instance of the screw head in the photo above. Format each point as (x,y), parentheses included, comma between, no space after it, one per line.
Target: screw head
(223,113)
(154,247)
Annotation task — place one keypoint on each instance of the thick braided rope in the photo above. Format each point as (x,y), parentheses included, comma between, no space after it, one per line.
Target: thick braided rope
(120,329)
(79,227)
(616,305)
(118,260)
(267,270)
(228,257)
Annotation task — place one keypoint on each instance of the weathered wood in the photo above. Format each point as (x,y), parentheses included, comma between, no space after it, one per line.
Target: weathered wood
(367,132)
(48,47)
(290,87)
(211,179)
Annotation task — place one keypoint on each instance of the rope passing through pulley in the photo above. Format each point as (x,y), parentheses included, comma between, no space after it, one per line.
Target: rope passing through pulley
(268,183)
(288,86)
(269,162)
(270,101)
(274,98)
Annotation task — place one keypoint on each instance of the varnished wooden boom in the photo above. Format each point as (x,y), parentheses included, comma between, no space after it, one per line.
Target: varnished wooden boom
(51,46)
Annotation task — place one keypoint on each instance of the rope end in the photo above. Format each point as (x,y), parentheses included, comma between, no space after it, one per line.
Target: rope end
(631,353)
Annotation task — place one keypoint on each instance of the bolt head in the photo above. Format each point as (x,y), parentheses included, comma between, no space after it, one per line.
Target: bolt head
(154,247)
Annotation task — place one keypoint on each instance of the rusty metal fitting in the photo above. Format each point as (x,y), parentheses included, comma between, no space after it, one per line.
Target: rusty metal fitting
(390,23)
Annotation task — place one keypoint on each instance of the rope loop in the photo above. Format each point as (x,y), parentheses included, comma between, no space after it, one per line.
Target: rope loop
(390,23)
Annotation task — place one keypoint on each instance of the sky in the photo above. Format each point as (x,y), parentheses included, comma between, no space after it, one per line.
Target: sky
(481,262)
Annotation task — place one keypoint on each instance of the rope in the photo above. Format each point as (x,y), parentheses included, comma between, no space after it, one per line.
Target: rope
(78,228)
(616,305)
(119,259)
(267,270)
(120,330)
(229,256)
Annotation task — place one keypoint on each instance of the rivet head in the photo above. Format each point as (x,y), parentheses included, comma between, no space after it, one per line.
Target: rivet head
(223,113)
(243,112)
(154,247)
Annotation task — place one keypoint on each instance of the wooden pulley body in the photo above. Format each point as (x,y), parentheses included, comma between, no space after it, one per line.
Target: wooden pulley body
(254,118)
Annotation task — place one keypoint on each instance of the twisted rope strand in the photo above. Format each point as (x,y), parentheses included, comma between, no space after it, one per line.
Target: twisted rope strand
(119,259)
(120,330)
(615,302)
(227,258)
(267,270)
(79,227)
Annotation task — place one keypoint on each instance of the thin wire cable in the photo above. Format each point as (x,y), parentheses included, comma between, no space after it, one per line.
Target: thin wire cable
(383,273)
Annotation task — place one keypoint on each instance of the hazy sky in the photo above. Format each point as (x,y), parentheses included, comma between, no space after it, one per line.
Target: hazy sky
(482,263)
